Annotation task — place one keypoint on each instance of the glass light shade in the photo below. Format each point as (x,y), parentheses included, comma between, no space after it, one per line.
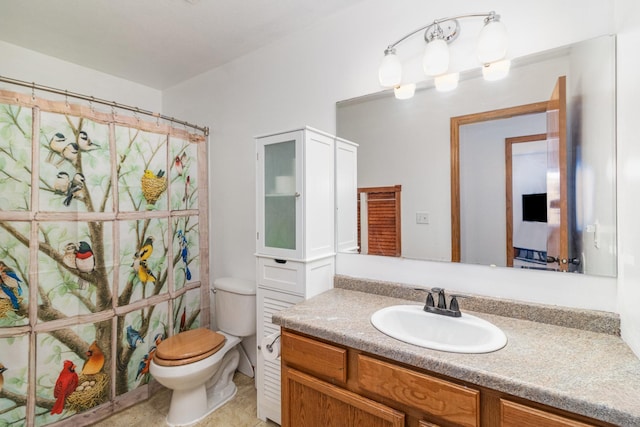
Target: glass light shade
(405,91)
(390,71)
(492,42)
(436,58)
(446,82)
(496,70)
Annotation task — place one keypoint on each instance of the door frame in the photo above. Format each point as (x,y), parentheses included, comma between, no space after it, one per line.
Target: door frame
(455,124)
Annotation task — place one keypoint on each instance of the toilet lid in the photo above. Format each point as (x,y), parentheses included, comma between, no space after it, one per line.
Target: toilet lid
(188,347)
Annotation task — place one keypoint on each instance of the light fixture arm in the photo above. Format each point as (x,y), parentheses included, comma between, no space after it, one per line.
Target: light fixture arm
(429,28)
(491,48)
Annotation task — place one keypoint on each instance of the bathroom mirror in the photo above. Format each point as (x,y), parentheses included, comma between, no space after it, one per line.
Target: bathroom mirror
(409,143)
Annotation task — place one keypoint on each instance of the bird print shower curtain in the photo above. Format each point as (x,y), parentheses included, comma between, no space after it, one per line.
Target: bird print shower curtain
(102,241)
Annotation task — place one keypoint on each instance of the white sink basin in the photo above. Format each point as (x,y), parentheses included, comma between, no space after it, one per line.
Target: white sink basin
(413,325)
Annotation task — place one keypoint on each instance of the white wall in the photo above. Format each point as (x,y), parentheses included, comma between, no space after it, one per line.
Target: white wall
(298,81)
(30,66)
(628,26)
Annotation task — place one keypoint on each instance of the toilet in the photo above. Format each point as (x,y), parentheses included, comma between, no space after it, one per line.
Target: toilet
(198,365)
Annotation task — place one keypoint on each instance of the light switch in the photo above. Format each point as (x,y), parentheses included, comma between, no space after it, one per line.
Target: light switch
(422,217)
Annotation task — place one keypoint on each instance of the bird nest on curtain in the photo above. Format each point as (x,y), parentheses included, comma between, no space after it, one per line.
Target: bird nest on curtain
(92,390)
(153,187)
(6,307)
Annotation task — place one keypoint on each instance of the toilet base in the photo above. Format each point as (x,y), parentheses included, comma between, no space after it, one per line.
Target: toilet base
(190,406)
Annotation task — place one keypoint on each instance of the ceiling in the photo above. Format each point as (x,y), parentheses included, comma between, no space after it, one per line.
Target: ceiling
(157,43)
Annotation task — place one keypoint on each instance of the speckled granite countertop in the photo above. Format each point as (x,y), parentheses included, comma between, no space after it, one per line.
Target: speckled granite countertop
(589,373)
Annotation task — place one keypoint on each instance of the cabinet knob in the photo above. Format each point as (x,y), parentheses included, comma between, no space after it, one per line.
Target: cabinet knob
(297,194)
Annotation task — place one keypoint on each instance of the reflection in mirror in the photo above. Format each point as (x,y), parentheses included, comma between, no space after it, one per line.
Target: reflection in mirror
(409,143)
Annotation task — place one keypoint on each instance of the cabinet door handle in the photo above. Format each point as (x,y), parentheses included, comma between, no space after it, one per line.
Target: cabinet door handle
(280,261)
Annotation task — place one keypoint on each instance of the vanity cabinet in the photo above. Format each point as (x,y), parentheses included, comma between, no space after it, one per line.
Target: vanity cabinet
(323,382)
(297,183)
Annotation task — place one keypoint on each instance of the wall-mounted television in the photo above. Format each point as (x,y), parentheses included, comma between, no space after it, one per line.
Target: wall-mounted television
(534,207)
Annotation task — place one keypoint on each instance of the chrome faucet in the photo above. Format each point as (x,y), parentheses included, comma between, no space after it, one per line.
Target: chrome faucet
(441,307)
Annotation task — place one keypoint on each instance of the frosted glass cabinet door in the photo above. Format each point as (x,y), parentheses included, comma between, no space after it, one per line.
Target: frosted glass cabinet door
(279,224)
(279,195)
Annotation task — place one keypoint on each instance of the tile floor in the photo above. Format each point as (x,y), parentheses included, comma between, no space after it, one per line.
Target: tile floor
(239,412)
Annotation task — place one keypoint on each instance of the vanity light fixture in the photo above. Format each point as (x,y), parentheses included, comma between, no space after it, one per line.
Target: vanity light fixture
(496,70)
(405,91)
(446,82)
(491,49)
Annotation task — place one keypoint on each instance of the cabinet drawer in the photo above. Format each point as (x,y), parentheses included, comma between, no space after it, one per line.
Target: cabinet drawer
(323,360)
(443,399)
(287,276)
(517,415)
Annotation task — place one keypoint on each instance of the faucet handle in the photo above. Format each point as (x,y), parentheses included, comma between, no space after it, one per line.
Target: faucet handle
(453,304)
(430,302)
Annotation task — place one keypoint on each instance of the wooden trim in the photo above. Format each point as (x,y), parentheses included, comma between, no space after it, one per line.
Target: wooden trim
(396,188)
(558,102)
(456,122)
(508,145)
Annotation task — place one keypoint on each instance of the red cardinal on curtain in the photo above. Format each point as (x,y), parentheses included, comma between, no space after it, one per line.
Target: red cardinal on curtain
(66,384)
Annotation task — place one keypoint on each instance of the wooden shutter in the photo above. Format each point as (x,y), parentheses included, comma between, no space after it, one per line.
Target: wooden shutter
(383,220)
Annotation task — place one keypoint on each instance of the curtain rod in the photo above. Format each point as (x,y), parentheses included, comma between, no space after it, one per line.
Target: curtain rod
(113,104)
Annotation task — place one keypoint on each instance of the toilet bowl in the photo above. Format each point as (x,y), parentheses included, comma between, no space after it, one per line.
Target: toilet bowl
(199,364)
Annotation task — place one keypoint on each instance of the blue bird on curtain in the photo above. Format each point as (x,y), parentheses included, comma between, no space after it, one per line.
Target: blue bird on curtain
(133,337)
(184,253)
(10,285)
(143,366)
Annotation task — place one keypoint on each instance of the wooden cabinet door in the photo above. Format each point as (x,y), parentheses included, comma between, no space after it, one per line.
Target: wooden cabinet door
(439,398)
(310,402)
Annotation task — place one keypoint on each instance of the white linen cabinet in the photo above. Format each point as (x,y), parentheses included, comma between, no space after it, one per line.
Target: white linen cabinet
(295,235)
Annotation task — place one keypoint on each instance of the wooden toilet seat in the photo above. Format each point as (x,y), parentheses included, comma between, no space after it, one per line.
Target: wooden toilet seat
(188,347)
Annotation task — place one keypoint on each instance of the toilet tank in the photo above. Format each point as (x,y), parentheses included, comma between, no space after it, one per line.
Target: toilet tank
(235,306)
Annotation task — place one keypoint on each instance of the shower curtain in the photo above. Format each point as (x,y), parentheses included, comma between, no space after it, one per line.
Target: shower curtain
(103,254)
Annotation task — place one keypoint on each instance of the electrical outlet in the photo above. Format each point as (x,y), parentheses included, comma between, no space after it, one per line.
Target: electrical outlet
(422,217)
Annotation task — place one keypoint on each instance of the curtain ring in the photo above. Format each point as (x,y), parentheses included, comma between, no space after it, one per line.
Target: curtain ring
(33,91)
(91,105)
(66,98)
